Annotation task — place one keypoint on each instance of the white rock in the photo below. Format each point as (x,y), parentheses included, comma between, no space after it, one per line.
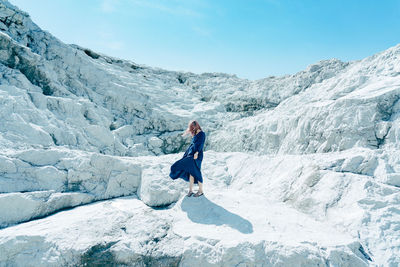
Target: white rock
(49,177)
(20,207)
(40,157)
(299,169)
(155,142)
(122,184)
(99,136)
(6,165)
(158,189)
(125,231)
(393,179)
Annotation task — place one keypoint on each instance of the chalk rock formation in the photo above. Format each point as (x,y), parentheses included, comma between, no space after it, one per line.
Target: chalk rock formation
(302,169)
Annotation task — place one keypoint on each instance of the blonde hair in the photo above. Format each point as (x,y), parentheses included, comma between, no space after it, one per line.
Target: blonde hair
(192,128)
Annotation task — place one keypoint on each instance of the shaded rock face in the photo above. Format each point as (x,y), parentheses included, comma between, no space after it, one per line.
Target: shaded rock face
(302,169)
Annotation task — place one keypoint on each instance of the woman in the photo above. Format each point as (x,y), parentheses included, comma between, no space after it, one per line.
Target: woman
(189,166)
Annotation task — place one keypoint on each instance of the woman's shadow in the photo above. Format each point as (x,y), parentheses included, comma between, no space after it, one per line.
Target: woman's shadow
(202,210)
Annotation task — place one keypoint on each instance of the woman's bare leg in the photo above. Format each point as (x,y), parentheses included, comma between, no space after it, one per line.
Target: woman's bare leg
(191,180)
(200,187)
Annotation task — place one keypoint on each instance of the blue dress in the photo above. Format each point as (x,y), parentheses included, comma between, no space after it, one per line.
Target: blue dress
(187,165)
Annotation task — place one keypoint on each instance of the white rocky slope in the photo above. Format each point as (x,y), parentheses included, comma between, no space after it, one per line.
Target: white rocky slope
(300,170)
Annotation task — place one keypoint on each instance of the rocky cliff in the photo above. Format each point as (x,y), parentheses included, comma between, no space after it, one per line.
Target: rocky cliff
(300,170)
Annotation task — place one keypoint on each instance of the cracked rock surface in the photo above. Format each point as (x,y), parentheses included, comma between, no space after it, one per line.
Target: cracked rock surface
(300,170)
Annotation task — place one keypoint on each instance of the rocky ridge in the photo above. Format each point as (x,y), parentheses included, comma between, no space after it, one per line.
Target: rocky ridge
(301,169)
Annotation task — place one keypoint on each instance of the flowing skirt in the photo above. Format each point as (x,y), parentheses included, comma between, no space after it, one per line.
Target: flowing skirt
(187,166)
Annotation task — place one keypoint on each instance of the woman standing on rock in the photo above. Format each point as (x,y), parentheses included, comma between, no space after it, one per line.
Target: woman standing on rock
(189,166)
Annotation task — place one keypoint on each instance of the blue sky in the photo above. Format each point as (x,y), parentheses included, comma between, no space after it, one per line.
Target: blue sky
(252,39)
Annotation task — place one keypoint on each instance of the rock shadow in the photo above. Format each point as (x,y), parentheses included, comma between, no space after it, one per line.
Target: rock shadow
(204,211)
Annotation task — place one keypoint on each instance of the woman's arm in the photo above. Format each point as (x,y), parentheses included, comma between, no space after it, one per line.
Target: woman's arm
(198,144)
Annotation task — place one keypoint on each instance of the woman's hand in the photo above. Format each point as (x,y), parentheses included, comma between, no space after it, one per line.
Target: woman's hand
(195,155)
